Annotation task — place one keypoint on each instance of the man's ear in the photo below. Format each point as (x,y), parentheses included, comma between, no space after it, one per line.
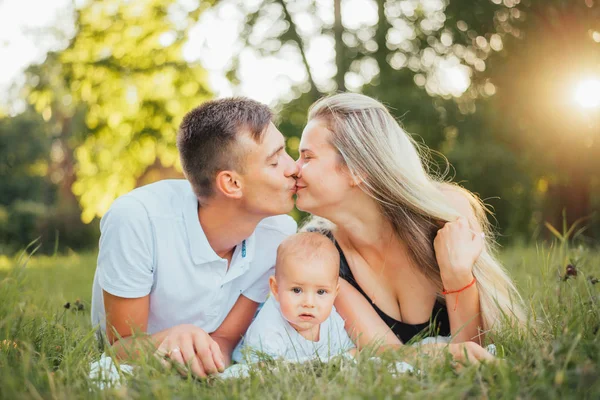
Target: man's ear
(230,184)
(274,287)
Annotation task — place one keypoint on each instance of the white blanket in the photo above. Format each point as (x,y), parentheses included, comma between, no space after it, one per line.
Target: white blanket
(107,373)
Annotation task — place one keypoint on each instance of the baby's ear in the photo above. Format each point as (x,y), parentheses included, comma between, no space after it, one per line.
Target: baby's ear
(337,287)
(273,286)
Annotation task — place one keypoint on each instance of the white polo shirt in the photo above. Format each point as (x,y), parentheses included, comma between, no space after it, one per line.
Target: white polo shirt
(152,243)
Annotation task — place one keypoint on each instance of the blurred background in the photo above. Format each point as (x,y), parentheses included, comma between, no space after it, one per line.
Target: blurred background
(92,93)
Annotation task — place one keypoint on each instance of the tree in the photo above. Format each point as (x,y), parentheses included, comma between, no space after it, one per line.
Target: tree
(485,120)
(125,73)
(553,51)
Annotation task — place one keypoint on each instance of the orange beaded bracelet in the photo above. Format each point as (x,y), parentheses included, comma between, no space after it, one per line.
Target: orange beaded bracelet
(445,292)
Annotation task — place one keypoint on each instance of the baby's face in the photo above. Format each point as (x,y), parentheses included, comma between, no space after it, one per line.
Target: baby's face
(306,292)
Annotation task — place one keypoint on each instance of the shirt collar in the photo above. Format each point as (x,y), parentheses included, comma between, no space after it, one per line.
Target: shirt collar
(200,249)
(198,243)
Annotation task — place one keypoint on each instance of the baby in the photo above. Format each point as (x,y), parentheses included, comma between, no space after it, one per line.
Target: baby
(298,321)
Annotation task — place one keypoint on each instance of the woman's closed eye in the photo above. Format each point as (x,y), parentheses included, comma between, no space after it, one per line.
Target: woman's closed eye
(306,156)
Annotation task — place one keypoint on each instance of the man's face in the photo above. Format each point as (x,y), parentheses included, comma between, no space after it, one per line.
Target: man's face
(268,174)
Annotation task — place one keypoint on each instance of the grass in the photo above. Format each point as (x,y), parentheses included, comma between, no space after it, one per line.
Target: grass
(46,349)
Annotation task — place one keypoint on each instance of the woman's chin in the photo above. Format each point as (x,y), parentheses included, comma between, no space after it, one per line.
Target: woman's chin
(301,204)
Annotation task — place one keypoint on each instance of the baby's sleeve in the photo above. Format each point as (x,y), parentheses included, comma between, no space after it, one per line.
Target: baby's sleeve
(265,335)
(261,341)
(339,329)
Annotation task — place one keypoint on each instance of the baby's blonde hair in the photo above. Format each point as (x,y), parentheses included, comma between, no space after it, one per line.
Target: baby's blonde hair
(306,247)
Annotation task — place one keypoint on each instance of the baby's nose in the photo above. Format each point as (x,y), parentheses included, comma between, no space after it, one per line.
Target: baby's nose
(309,301)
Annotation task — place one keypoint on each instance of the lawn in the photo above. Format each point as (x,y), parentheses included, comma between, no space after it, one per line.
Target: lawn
(46,349)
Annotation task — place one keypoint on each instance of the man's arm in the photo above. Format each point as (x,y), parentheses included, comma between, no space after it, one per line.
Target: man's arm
(234,326)
(187,345)
(124,317)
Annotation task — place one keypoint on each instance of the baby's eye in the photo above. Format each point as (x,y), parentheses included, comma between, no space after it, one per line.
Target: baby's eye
(321,292)
(297,290)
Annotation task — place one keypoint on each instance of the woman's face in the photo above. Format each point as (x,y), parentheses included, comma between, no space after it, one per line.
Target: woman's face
(323,182)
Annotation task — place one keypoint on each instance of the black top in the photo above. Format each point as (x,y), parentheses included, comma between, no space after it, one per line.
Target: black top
(439,323)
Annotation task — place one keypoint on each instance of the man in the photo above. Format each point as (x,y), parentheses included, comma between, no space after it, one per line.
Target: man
(188,261)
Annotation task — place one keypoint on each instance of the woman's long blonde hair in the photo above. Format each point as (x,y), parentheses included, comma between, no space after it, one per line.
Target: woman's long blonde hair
(394,171)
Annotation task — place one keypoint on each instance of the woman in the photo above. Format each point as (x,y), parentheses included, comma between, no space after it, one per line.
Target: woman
(414,248)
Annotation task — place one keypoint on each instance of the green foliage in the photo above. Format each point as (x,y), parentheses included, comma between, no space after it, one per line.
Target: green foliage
(32,204)
(112,99)
(125,68)
(514,135)
(24,149)
(23,188)
(46,349)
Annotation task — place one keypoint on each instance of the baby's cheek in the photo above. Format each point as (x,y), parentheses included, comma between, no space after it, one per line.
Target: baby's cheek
(287,307)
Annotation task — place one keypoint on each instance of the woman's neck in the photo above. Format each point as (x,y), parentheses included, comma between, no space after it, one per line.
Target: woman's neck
(361,223)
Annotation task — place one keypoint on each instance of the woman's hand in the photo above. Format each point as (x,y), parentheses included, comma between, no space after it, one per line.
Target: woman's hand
(457,247)
(462,353)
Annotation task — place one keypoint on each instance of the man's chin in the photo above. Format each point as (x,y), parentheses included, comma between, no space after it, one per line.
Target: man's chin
(286,208)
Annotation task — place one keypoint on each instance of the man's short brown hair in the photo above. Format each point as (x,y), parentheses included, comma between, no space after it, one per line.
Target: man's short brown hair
(208,134)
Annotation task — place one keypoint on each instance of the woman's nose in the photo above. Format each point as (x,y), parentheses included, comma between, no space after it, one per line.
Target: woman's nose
(299,167)
(292,169)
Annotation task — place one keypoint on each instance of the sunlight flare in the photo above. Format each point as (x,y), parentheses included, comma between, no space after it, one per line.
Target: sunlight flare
(587,93)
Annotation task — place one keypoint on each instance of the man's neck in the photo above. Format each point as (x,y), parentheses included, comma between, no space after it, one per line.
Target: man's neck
(225,226)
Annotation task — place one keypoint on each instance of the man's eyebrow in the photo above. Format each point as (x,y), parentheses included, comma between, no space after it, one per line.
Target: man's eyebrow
(276,151)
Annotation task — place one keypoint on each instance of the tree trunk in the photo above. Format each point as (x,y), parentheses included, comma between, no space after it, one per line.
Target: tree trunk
(340,60)
(380,37)
(296,38)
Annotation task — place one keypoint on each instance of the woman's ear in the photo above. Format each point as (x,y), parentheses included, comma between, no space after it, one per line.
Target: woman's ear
(230,184)
(356,182)
(274,287)
(356,179)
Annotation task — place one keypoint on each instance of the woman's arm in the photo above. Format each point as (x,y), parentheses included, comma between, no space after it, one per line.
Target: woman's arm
(457,247)
(365,327)
(363,324)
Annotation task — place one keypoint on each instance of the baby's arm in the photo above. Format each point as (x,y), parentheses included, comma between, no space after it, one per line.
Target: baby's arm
(265,334)
(262,341)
